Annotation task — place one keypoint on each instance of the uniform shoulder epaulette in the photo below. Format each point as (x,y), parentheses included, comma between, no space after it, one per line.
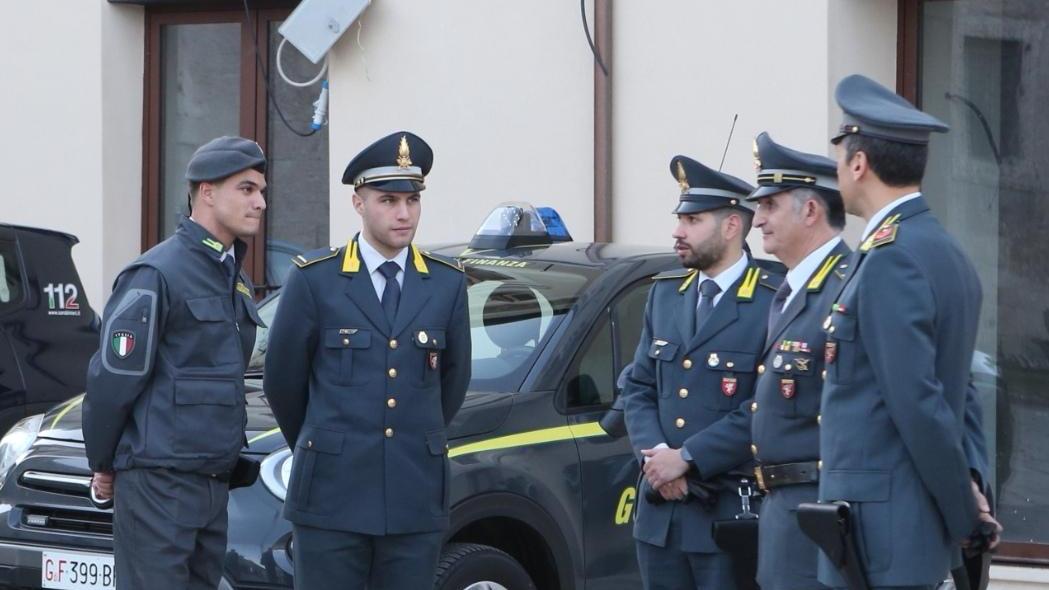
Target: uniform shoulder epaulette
(305,259)
(885,234)
(677,273)
(445,260)
(820,276)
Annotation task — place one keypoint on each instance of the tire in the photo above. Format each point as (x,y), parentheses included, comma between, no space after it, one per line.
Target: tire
(469,566)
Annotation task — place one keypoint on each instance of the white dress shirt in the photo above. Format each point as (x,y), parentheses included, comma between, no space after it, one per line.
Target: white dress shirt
(797,276)
(373,260)
(884,212)
(725,278)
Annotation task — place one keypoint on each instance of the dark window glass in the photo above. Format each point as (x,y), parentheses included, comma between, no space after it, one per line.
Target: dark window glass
(10,277)
(630,317)
(982,74)
(591,381)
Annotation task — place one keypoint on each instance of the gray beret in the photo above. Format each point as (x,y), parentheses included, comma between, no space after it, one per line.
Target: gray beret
(224,157)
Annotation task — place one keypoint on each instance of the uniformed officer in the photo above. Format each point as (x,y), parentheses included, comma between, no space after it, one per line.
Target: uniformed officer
(688,392)
(368,362)
(165,408)
(900,337)
(800,216)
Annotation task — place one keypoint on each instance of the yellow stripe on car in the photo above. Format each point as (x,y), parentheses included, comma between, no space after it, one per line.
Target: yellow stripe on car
(69,406)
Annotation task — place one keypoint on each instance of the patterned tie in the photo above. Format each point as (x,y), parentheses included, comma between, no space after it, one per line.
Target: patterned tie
(391,295)
(776,311)
(708,289)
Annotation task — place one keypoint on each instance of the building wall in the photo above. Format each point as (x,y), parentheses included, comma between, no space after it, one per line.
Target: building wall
(72,129)
(503,92)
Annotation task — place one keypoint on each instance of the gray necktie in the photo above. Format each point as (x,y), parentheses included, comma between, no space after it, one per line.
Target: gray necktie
(708,289)
(391,294)
(776,311)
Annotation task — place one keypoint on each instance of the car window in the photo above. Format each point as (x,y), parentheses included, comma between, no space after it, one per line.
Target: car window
(591,380)
(10,276)
(629,314)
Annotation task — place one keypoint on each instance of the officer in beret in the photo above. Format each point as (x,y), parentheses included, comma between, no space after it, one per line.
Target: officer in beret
(164,413)
(368,362)
(800,215)
(688,394)
(900,337)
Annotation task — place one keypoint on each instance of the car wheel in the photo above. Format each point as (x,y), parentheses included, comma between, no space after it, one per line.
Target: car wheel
(469,566)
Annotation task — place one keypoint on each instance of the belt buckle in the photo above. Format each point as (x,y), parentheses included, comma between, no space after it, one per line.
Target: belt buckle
(760,477)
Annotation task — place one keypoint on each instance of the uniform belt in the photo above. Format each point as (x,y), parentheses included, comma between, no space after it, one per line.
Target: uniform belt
(786,474)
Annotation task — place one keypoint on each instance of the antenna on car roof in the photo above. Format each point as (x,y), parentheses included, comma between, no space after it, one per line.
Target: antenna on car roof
(731,129)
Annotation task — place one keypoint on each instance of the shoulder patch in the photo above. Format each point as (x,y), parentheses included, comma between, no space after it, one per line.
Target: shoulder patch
(308,258)
(449,262)
(821,274)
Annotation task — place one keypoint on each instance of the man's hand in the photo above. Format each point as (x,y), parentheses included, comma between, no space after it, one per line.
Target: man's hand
(673,490)
(102,484)
(992,525)
(663,466)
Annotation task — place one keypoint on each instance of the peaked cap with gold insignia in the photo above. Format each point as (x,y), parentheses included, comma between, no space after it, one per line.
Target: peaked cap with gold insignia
(397,163)
(704,189)
(782,169)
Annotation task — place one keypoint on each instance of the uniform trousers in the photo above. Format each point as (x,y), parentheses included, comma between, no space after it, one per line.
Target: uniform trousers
(328,559)
(670,568)
(169,530)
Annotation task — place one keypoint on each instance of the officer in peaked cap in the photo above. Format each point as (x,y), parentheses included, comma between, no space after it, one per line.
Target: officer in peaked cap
(688,393)
(899,342)
(164,409)
(369,361)
(800,216)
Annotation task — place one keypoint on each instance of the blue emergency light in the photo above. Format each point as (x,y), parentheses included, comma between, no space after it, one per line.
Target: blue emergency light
(513,224)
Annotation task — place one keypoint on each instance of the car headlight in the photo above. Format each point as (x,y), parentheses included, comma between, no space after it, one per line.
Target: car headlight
(17,441)
(275,472)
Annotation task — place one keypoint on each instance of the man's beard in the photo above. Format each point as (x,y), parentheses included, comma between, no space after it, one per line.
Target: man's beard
(705,254)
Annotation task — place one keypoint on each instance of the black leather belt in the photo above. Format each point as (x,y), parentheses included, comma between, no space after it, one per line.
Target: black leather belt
(775,476)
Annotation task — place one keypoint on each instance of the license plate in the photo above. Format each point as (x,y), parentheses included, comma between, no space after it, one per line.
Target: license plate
(76,571)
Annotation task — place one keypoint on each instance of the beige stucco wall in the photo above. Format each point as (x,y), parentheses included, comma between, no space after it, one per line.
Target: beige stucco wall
(503,91)
(72,132)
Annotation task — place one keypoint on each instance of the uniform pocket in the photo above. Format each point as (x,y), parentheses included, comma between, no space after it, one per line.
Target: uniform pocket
(437,444)
(840,349)
(730,379)
(208,309)
(208,417)
(430,342)
(797,384)
(316,470)
(664,352)
(340,343)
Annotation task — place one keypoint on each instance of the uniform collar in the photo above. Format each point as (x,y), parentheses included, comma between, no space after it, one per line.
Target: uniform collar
(202,239)
(373,259)
(797,276)
(727,277)
(882,213)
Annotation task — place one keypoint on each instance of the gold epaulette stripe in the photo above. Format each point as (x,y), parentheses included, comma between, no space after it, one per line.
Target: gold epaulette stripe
(688,281)
(821,275)
(750,282)
(350,261)
(454,263)
(302,262)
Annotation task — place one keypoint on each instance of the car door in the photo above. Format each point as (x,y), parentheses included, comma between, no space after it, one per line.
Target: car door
(608,467)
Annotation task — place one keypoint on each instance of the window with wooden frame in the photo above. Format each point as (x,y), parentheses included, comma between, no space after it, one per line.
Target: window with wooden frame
(980,67)
(204,79)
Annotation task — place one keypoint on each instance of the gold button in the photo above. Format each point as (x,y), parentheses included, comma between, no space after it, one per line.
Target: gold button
(754,450)
(824,374)
(761,369)
(345,341)
(819,419)
(309,444)
(730,364)
(393,343)
(392,373)
(680,422)
(391,403)
(389,433)
(683,393)
(687,363)
(819,465)
(753,407)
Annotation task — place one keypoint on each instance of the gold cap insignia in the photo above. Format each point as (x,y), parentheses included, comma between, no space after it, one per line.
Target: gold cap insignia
(404,155)
(757,156)
(682,179)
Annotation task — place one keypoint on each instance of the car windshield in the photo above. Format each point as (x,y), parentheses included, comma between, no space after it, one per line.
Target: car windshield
(514,306)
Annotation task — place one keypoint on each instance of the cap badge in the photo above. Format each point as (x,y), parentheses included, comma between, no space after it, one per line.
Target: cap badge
(757,156)
(404,155)
(682,178)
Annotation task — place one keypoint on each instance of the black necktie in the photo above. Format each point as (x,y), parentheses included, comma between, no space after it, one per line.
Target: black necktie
(776,311)
(391,295)
(708,289)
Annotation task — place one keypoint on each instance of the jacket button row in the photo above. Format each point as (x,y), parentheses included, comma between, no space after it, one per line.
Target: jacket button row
(391,403)
(389,433)
(393,344)
(683,393)
(392,373)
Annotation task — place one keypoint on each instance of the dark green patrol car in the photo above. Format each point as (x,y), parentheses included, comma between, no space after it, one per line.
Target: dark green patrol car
(541,496)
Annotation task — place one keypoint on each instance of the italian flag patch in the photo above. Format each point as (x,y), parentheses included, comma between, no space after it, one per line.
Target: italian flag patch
(123,343)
